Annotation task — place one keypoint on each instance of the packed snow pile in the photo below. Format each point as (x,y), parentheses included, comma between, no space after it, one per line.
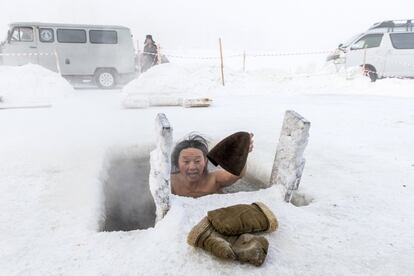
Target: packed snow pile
(170,84)
(31,84)
(164,79)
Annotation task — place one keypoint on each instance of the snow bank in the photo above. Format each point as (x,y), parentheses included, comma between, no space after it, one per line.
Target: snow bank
(31,84)
(165,79)
(169,84)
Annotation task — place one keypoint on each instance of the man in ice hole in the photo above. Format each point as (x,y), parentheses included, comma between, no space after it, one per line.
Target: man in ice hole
(229,232)
(189,173)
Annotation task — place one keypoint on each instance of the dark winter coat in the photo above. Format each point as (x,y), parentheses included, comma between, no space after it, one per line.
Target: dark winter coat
(149,57)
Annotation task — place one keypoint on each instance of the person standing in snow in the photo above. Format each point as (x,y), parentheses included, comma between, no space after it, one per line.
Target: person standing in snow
(189,173)
(150,55)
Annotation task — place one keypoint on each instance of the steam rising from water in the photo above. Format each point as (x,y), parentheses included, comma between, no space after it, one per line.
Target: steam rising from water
(129,204)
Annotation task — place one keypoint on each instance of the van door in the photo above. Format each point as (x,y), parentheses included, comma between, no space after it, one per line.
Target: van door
(47,48)
(21,46)
(400,56)
(72,51)
(367,50)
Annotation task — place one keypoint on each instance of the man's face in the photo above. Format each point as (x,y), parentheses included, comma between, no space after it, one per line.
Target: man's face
(191,163)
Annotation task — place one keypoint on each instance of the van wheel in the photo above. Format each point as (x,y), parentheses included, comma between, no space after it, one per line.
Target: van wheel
(371,72)
(105,78)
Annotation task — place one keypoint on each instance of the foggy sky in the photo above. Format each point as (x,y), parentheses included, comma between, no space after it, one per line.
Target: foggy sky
(251,25)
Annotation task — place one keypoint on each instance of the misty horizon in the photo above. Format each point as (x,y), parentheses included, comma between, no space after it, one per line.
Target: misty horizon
(242,25)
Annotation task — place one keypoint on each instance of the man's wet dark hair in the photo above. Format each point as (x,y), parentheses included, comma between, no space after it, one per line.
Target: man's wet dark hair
(191,141)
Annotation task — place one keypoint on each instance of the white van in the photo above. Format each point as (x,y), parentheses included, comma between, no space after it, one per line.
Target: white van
(384,50)
(100,54)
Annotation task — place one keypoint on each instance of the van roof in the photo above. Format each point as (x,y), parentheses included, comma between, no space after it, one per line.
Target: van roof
(65,25)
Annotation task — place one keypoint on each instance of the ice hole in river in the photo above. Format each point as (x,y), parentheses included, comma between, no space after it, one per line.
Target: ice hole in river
(128,202)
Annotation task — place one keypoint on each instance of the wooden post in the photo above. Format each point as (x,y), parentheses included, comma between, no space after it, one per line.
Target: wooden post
(160,158)
(244,61)
(222,65)
(138,58)
(289,162)
(158,54)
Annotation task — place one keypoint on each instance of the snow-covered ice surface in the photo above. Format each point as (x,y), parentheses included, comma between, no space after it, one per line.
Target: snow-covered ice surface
(359,174)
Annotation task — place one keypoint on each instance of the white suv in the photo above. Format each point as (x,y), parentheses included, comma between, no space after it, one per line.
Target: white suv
(384,50)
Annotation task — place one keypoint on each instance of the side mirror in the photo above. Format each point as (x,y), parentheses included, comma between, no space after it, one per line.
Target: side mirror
(8,36)
(340,45)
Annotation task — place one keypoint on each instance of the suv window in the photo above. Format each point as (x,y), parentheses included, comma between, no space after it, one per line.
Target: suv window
(103,37)
(71,36)
(368,41)
(402,41)
(24,34)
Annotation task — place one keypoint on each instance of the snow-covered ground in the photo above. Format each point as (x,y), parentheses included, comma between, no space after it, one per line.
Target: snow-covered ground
(359,173)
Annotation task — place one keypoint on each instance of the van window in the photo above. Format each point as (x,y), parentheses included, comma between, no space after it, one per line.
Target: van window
(24,34)
(103,37)
(46,35)
(402,41)
(71,36)
(368,41)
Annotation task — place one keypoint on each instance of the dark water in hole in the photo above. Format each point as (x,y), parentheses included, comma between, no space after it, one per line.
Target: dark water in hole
(129,204)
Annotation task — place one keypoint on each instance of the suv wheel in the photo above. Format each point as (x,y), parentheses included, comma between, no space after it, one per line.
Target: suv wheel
(370,72)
